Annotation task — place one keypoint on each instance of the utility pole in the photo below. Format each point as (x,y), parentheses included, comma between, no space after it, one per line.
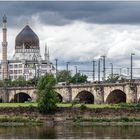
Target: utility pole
(67,66)
(111,70)
(75,69)
(76,73)
(93,64)
(104,73)
(56,61)
(120,71)
(99,69)
(131,72)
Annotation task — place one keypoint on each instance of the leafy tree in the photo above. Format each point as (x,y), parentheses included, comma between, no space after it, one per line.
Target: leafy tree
(115,78)
(1,83)
(20,81)
(78,78)
(32,82)
(63,76)
(47,97)
(7,82)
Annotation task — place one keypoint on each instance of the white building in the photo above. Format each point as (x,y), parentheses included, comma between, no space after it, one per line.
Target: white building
(27,60)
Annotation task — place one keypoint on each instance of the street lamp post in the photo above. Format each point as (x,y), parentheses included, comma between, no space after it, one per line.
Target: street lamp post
(131,66)
(56,60)
(75,69)
(67,66)
(104,73)
(99,69)
(93,65)
(120,71)
(67,69)
(76,73)
(111,70)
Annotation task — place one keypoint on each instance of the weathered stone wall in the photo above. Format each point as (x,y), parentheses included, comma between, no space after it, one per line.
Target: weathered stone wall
(64,114)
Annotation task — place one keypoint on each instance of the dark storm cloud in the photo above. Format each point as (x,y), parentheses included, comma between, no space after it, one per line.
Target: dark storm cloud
(61,13)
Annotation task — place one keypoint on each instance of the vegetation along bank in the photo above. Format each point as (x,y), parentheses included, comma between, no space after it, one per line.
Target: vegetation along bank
(74,114)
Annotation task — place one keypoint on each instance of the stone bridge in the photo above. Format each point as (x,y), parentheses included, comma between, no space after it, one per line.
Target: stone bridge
(87,93)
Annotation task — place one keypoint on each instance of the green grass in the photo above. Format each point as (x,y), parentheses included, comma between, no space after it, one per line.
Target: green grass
(121,119)
(17,104)
(92,106)
(96,106)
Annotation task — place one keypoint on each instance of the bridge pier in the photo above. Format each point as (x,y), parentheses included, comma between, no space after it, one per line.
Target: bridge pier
(131,93)
(99,96)
(68,97)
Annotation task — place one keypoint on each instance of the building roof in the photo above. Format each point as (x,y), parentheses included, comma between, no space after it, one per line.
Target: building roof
(27,38)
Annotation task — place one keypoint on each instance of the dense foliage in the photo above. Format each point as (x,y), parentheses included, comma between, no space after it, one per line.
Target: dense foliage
(78,79)
(20,81)
(47,98)
(115,78)
(65,76)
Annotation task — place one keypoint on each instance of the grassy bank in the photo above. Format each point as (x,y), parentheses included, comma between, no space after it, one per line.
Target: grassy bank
(106,121)
(18,120)
(92,106)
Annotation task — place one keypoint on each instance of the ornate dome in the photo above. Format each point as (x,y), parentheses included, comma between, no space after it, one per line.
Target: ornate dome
(27,39)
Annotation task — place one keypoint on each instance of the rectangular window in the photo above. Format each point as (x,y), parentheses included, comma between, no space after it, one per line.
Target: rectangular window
(15,71)
(11,71)
(15,66)
(11,77)
(10,66)
(19,71)
(20,65)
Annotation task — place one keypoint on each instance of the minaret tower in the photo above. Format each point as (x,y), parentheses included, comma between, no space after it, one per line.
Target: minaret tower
(4,50)
(46,54)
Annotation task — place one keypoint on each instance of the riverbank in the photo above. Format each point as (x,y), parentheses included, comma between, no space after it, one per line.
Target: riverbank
(73,115)
(20,120)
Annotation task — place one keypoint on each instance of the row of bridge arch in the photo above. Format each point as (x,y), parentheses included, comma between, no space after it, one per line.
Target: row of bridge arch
(116,96)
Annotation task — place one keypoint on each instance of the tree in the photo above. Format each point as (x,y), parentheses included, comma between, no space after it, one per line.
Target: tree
(63,76)
(20,81)
(32,82)
(47,98)
(78,78)
(115,78)
(7,82)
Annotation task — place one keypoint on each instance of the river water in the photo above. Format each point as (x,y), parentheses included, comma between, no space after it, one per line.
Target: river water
(69,131)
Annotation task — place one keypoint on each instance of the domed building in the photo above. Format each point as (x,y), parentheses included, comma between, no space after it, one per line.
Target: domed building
(27,60)
(27,45)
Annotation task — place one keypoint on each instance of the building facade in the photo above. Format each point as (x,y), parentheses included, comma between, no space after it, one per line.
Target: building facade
(27,60)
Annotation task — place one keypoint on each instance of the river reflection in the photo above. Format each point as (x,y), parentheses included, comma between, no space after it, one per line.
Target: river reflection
(69,131)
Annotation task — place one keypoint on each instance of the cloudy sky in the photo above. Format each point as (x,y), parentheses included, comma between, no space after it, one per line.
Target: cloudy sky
(79,32)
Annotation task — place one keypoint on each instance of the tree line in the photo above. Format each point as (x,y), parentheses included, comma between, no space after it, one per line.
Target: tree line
(62,76)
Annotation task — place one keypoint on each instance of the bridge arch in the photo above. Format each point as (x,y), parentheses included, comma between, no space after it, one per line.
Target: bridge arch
(85,97)
(116,96)
(59,97)
(21,97)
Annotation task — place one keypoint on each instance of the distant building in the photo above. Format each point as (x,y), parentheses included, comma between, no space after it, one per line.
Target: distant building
(27,60)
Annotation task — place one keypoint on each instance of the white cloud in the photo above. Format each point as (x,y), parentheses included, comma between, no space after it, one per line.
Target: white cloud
(81,41)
